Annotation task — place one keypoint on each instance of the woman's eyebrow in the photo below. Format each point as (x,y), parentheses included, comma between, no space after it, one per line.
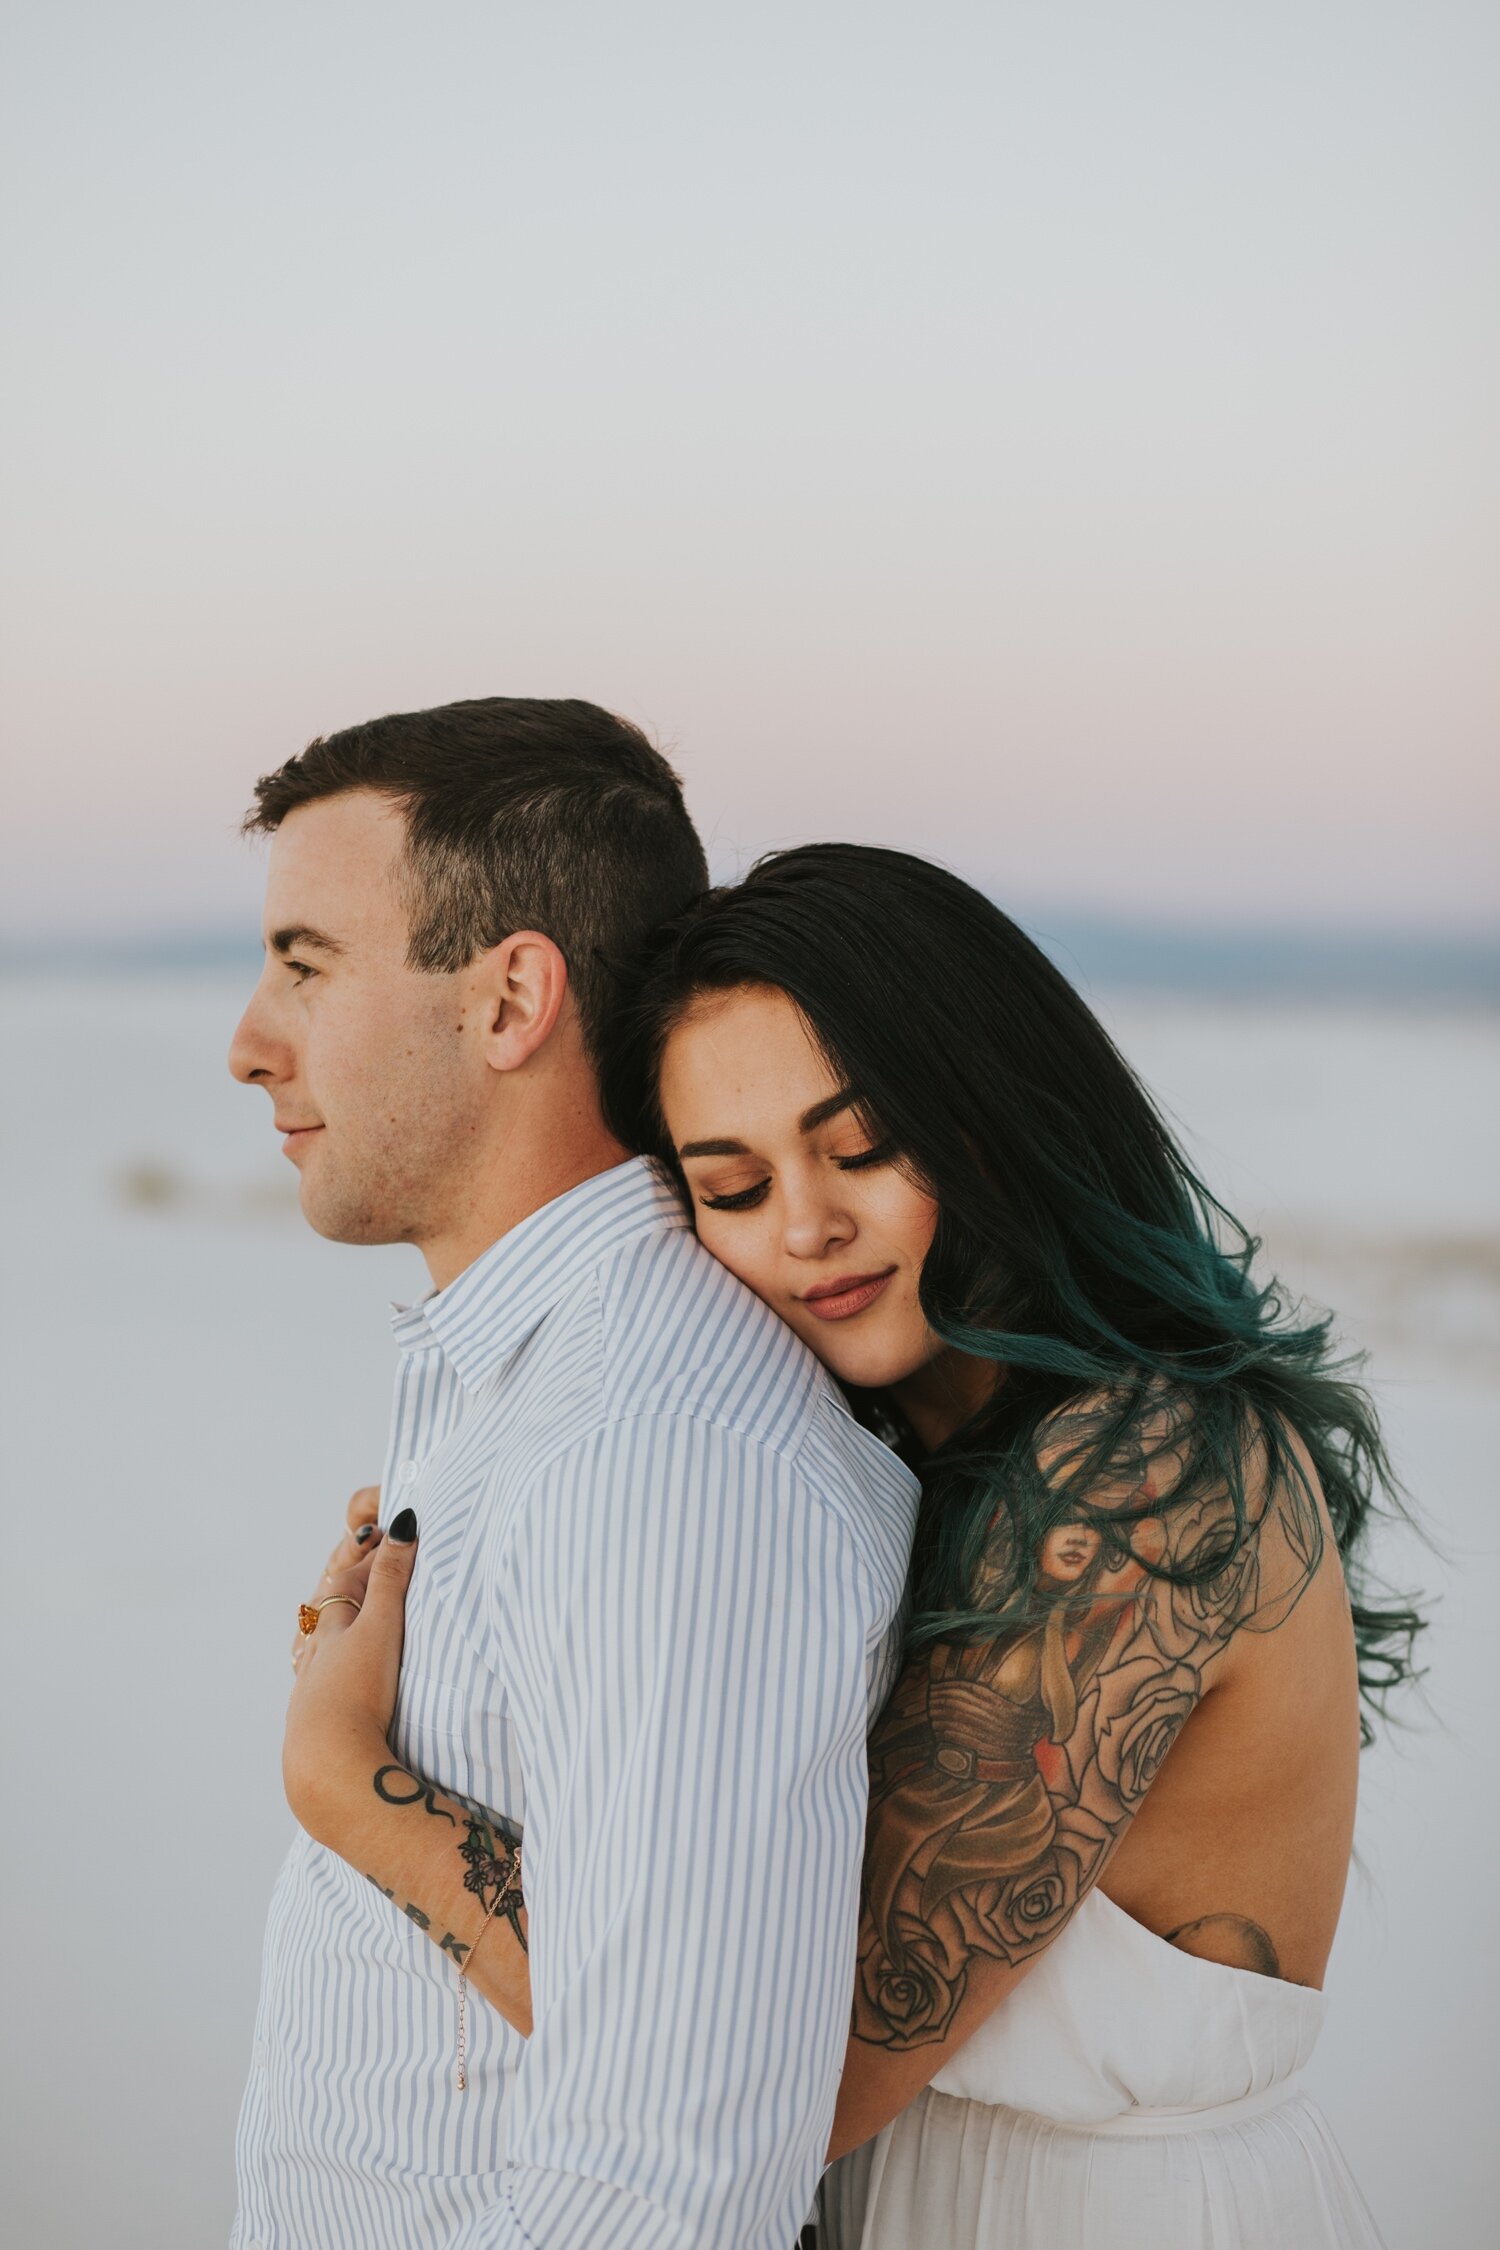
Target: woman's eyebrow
(808,1122)
(820,1112)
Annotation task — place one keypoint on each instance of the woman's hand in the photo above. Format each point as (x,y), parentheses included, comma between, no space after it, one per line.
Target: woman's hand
(451,1866)
(361,1532)
(345,1691)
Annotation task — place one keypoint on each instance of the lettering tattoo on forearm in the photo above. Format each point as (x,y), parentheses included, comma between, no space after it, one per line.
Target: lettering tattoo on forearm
(447,1943)
(1004,1772)
(420,1793)
(490,1851)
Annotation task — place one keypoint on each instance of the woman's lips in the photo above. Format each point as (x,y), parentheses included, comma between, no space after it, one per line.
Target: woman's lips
(846,1302)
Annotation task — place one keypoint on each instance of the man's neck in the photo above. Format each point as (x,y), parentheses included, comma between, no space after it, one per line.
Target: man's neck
(514,1186)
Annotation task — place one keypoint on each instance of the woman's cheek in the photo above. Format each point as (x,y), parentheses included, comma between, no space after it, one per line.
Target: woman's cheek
(734,1243)
(904,1215)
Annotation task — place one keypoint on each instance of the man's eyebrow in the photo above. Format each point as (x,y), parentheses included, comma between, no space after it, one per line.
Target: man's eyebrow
(808,1122)
(300,936)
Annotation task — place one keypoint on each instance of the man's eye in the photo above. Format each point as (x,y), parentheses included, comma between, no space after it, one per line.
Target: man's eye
(881,1153)
(301,970)
(745,1200)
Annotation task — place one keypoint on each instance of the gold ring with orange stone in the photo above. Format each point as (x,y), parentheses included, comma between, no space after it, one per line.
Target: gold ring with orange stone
(309,1612)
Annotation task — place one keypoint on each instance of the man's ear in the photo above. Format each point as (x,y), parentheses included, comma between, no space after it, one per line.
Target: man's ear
(521,987)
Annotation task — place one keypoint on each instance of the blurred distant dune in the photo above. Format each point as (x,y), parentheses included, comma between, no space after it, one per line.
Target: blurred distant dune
(1434,1299)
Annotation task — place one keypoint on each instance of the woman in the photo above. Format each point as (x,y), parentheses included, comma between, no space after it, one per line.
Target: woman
(1112,1795)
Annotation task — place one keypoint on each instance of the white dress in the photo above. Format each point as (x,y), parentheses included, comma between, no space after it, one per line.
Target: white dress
(1126,2096)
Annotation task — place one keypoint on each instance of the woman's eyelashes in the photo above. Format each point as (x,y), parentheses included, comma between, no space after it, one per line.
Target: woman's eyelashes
(881,1153)
(747,1199)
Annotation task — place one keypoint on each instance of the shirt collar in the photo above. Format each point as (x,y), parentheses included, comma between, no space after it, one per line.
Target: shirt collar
(504,1296)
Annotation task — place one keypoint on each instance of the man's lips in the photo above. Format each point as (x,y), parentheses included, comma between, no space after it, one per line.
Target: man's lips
(292,1134)
(837,1300)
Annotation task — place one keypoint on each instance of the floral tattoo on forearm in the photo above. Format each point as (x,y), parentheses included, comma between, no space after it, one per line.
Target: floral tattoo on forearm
(490,1851)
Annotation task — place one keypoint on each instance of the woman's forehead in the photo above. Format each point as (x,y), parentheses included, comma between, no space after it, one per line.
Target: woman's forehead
(747,1051)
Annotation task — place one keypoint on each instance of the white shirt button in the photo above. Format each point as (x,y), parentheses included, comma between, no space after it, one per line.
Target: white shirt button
(409,1472)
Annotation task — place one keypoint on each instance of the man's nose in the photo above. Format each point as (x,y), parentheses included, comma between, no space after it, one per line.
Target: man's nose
(253,1051)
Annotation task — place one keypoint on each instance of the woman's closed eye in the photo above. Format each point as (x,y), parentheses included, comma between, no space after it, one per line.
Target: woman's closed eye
(747,1198)
(882,1153)
(743,1199)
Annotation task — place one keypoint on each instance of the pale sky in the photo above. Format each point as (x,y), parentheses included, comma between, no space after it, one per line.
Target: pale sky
(1059,438)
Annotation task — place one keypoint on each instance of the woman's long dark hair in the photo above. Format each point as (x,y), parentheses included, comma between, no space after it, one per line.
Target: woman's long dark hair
(1074,1246)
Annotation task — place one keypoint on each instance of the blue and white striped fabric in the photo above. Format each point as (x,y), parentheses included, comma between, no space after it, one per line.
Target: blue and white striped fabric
(656,1604)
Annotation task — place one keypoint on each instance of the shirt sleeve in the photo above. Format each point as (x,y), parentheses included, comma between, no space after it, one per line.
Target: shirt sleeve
(685,1630)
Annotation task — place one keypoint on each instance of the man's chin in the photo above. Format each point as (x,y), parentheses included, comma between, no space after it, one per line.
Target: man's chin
(344,1219)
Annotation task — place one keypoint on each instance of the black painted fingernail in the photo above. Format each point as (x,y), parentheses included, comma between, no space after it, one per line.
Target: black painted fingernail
(365,1531)
(404,1529)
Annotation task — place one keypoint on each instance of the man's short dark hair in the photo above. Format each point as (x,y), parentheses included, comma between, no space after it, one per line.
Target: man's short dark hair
(522,813)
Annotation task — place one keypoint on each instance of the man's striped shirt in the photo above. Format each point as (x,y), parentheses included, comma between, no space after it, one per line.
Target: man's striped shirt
(656,1604)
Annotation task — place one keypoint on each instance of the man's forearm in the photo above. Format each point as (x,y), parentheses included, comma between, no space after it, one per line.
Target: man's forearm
(449,1865)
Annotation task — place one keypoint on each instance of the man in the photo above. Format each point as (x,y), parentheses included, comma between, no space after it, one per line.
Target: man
(656,1591)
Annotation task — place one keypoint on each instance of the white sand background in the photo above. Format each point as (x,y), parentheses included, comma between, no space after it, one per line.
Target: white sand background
(193,1384)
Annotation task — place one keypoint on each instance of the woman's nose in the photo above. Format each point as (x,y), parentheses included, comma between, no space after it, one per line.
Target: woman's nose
(814,1227)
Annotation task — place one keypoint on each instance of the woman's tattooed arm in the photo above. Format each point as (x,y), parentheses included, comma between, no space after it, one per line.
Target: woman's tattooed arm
(1004,1773)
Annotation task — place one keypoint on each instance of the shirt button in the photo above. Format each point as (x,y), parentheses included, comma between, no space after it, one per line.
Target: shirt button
(409,1472)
